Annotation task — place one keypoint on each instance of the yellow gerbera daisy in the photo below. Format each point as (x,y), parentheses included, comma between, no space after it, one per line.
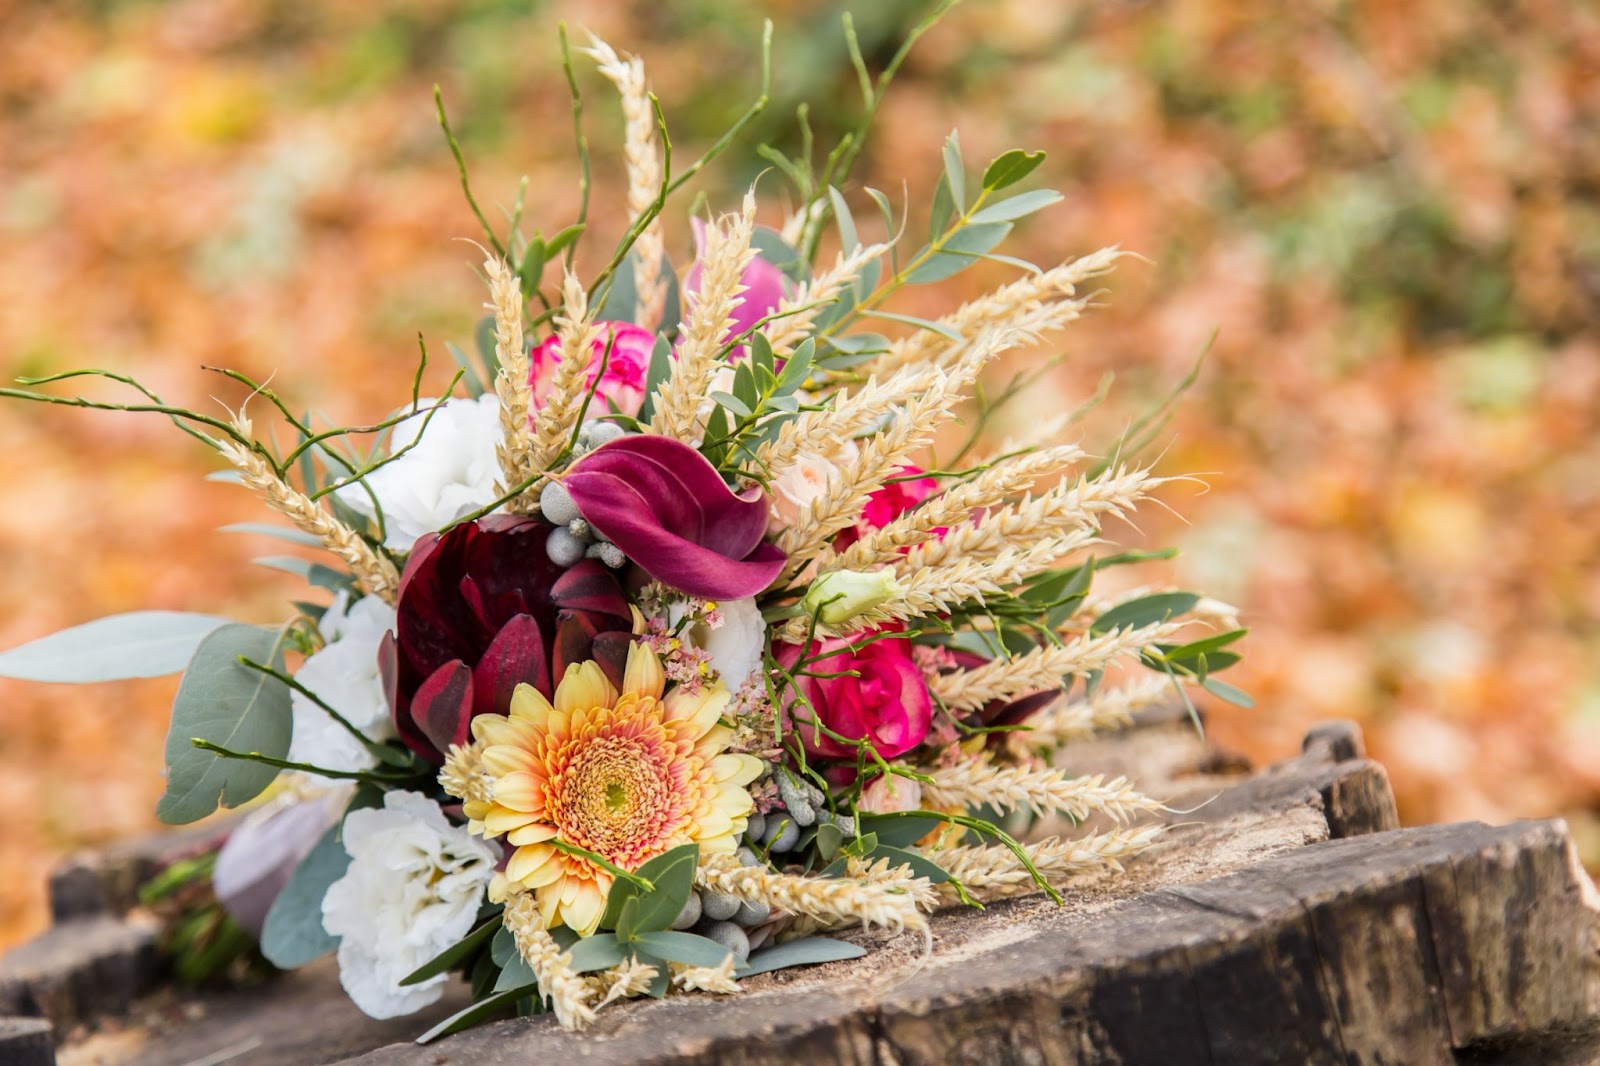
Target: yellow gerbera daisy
(625,775)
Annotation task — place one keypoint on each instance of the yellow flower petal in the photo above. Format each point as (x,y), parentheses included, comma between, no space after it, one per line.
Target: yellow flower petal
(643,676)
(524,861)
(584,687)
(502,759)
(732,769)
(503,820)
(583,913)
(536,833)
(529,705)
(491,729)
(694,715)
(520,791)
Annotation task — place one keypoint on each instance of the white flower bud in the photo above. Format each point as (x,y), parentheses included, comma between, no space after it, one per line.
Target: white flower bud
(840,595)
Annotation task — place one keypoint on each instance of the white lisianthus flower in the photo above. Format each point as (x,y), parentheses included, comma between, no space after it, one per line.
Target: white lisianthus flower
(451,472)
(797,487)
(344,675)
(736,646)
(413,888)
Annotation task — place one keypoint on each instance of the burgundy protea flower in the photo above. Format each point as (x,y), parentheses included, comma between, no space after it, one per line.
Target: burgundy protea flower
(482,609)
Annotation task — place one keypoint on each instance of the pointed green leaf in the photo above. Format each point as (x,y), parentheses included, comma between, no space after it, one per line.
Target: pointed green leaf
(454,954)
(806,952)
(138,644)
(1010,167)
(1145,611)
(477,1012)
(1017,207)
(955,171)
(598,952)
(686,949)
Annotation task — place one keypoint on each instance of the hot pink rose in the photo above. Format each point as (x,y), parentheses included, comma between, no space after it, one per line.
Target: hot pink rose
(622,387)
(889,503)
(887,703)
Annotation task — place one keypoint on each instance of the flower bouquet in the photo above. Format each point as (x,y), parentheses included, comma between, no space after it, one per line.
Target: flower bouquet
(673,635)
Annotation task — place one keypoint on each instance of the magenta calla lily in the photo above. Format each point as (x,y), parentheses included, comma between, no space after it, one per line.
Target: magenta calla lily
(668,509)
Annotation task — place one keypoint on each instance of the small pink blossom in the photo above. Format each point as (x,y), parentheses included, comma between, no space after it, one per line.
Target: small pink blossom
(891,793)
(622,387)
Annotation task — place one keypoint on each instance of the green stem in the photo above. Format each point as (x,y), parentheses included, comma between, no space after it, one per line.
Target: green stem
(461,168)
(644,884)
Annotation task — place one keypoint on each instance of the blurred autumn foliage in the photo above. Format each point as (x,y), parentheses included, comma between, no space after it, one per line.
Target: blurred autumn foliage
(1387,213)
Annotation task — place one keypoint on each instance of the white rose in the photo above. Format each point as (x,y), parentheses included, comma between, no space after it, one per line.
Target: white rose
(450,473)
(344,675)
(736,646)
(413,888)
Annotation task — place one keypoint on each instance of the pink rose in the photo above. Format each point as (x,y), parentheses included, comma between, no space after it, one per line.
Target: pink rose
(889,503)
(886,703)
(622,387)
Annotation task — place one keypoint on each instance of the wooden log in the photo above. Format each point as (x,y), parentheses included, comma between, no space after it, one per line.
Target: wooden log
(1283,919)
(26,1042)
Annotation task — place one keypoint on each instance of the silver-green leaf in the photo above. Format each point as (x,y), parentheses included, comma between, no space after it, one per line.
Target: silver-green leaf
(231,705)
(140,644)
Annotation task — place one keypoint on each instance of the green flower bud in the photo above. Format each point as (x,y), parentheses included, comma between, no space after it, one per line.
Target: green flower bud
(841,595)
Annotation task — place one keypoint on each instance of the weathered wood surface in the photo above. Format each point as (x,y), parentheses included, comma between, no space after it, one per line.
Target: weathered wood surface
(1283,921)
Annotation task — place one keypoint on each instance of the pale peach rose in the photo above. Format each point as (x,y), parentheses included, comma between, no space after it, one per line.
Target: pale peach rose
(891,793)
(801,483)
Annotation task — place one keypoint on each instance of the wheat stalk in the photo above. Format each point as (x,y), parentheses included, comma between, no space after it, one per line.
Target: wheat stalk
(979,782)
(994,872)
(1046,301)
(643,157)
(569,994)
(797,314)
(1067,508)
(1043,668)
(952,507)
(511,384)
(722,265)
(558,414)
(625,980)
(1111,707)
(848,413)
(872,895)
(718,978)
(373,573)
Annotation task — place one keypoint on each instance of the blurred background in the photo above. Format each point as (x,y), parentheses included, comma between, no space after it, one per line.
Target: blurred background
(1387,213)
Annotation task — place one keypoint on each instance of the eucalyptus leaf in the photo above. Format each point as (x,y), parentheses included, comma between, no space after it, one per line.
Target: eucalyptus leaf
(1144,611)
(687,949)
(317,574)
(477,1012)
(515,973)
(1225,691)
(808,951)
(1010,167)
(849,241)
(732,403)
(660,371)
(771,246)
(138,644)
(957,252)
(598,952)
(1017,206)
(955,171)
(233,706)
(469,373)
(898,830)
(292,934)
(267,529)
(503,948)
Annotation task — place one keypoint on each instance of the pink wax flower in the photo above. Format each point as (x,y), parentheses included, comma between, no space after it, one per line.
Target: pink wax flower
(622,387)
(889,503)
(875,692)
